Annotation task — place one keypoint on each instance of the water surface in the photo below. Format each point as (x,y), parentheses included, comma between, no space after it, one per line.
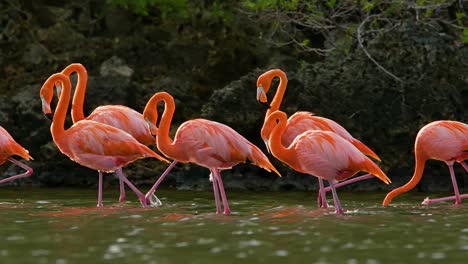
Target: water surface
(64,226)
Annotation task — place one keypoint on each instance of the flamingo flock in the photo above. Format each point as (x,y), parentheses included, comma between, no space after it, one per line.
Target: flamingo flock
(113,136)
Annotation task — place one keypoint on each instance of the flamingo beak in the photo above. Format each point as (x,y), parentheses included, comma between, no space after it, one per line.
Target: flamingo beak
(58,89)
(261,97)
(46,109)
(267,146)
(153,129)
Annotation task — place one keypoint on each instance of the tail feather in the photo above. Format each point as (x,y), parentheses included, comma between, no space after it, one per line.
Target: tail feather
(22,152)
(258,158)
(370,167)
(365,149)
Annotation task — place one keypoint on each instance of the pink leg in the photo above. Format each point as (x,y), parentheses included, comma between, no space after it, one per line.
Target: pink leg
(223,193)
(99,199)
(336,200)
(457,197)
(455,185)
(322,198)
(28,172)
(139,194)
(428,201)
(355,179)
(161,178)
(216,191)
(122,196)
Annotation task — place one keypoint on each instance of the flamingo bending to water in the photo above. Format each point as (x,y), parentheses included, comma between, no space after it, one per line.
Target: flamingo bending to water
(207,143)
(92,144)
(301,122)
(119,116)
(323,154)
(8,148)
(444,140)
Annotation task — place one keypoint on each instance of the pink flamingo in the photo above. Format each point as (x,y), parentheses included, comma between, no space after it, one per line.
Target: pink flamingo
(206,143)
(323,154)
(8,148)
(301,122)
(444,140)
(94,145)
(119,116)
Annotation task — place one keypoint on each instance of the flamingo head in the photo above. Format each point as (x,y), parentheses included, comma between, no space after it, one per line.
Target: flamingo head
(46,98)
(151,119)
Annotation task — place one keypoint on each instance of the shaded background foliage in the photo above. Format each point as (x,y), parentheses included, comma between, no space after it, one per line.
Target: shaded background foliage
(382,69)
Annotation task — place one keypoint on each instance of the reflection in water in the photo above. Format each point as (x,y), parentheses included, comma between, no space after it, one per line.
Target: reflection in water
(264,228)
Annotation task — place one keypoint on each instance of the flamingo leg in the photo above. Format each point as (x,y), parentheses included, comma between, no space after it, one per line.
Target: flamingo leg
(223,193)
(216,191)
(122,196)
(455,185)
(457,197)
(161,178)
(322,198)
(336,200)
(138,193)
(28,172)
(355,179)
(99,204)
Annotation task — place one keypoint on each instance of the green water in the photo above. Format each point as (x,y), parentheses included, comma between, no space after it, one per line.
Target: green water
(64,226)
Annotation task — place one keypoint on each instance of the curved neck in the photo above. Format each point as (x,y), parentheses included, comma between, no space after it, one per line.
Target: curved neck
(80,90)
(58,122)
(277,148)
(276,102)
(164,142)
(418,172)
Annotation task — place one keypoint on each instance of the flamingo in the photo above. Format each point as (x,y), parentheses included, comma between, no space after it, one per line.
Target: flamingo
(207,143)
(301,122)
(443,140)
(119,116)
(8,148)
(323,154)
(92,144)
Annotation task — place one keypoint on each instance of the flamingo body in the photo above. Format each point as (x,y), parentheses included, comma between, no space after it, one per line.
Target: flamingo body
(101,147)
(445,141)
(303,121)
(124,118)
(328,156)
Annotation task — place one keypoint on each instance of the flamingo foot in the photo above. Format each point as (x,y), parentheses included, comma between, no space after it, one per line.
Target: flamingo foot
(122,198)
(227,211)
(154,201)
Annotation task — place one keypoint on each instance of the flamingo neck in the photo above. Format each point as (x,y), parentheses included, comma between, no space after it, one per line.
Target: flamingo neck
(58,122)
(276,102)
(80,90)
(164,142)
(285,154)
(418,172)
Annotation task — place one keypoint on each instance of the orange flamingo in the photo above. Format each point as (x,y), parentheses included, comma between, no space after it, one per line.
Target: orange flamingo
(323,154)
(444,140)
(206,143)
(8,148)
(94,145)
(301,122)
(119,116)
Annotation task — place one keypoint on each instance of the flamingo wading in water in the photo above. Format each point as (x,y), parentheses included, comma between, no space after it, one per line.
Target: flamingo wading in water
(8,148)
(119,116)
(301,122)
(323,154)
(207,143)
(443,140)
(92,144)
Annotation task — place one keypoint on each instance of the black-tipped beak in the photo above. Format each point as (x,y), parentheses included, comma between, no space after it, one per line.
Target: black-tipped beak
(49,116)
